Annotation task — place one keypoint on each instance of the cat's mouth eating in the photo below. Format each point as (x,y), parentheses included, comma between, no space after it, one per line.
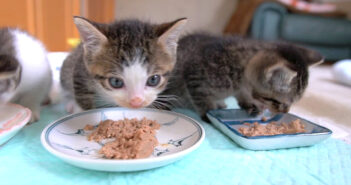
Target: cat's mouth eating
(274,107)
(134,103)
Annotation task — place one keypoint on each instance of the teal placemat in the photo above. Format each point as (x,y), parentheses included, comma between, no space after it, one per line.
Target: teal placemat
(217,161)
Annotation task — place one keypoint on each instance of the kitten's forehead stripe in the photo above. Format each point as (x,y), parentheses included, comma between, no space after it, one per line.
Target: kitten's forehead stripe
(130,34)
(99,77)
(135,74)
(131,41)
(130,57)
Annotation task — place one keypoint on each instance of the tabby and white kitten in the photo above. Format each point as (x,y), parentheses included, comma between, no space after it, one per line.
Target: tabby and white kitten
(259,74)
(25,74)
(125,63)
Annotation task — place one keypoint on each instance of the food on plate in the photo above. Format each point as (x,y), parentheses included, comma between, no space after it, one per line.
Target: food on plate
(133,138)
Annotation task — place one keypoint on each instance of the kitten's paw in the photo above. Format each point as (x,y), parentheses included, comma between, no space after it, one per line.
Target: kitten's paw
(35,117)
(221,105)
(72,107)
(252,109)
(69,108)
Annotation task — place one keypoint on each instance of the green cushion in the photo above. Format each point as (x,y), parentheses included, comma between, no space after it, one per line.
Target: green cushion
(329,36)
(267,20)
(331,53)
(316,30)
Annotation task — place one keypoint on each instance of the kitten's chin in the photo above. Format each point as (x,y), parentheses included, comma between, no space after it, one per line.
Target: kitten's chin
(131,106)
(135,106)
(3,102)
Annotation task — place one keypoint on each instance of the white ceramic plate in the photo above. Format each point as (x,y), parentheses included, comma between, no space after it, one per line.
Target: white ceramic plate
(12,118)
(66,139)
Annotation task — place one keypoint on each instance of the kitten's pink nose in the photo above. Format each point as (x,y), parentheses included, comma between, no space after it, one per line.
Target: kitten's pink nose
(136,102)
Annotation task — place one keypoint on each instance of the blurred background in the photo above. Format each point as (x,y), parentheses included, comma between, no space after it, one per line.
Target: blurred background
(51,20)
(306,22)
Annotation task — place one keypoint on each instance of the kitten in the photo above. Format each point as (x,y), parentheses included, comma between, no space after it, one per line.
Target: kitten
(259,74)
(125,63)
(25,74)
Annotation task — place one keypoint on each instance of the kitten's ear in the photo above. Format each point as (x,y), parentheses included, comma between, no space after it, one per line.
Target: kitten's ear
(313,57)
(91,37)
(279,76)
(289,51)
(168,35)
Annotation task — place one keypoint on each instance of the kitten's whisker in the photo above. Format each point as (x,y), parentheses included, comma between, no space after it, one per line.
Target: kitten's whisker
(172,100)
(158,103)
(151,106)
(167,99)
(167,96)
(154,106)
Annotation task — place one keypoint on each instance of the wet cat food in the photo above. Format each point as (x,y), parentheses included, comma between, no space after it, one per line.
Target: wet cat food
(272,128)
(133,138)
(88,127)
(264,118)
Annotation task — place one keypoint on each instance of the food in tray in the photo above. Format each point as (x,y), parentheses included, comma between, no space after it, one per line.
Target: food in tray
(272,128)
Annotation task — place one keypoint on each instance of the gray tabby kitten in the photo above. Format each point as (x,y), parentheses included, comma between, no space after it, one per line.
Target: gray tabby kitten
(259,74)
(125,63)
(25,73)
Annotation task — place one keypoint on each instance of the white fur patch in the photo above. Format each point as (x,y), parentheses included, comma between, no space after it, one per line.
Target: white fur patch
(32,56)
(135,77)
(36,73)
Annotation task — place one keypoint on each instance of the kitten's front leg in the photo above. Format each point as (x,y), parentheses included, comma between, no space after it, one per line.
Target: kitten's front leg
(72,107)
(33,103)
(247,103)
(202,99)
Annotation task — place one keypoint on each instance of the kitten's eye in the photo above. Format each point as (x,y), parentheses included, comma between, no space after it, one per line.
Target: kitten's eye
(116,82)
(153,80)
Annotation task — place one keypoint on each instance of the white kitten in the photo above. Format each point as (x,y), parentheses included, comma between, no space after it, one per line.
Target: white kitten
(25,73)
